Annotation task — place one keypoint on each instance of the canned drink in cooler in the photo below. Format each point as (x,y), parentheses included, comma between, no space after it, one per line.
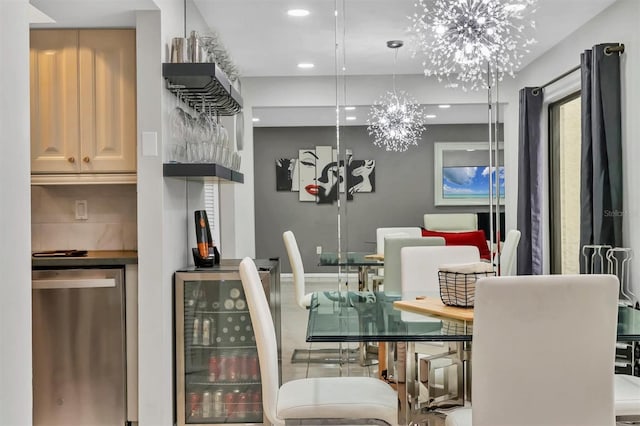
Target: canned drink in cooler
(232,368)
(256,402)
(195,408)
(218,403)
(207,404)
(254,367)
(195,338)
(206,332)
(223,362)
(244,367)
(242,405)
(229,404)
(214,368)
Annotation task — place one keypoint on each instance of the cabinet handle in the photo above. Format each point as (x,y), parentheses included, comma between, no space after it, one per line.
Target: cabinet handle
(71,160)
(86,159)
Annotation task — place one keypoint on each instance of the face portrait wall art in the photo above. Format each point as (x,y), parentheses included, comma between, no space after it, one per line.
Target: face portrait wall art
(318,176)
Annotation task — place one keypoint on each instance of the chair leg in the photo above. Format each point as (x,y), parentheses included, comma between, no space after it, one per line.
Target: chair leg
(324,356)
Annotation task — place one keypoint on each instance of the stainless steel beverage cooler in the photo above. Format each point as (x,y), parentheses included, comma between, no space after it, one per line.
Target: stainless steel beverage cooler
(217,368)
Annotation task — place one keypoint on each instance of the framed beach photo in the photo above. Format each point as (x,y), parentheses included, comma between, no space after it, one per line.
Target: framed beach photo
(462,174)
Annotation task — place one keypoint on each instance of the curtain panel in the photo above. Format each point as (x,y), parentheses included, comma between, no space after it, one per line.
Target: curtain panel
(601,211)
(530,182)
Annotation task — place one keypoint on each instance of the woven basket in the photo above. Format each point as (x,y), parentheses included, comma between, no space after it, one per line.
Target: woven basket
(459,289)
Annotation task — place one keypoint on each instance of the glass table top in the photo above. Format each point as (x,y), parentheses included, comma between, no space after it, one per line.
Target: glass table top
(370,317)
(351,258)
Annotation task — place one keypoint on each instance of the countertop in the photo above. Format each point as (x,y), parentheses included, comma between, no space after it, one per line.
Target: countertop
(93,258)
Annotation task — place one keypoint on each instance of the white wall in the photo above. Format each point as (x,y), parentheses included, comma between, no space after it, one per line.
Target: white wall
(165,212)
(15,232)
(618,23)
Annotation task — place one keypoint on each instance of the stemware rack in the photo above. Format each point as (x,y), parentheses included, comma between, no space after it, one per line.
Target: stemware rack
(203,86)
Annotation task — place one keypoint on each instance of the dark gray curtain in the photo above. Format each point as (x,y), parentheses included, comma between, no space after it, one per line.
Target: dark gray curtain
(530,182)
(601,169)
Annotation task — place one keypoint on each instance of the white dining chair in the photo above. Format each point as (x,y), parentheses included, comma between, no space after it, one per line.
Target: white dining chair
(392,284)
(508,253)
(325,400)
(451,222)
(419,277)
(395,232)
(627,397)
(303,299)
(392,247)
(526,332)
(398,231)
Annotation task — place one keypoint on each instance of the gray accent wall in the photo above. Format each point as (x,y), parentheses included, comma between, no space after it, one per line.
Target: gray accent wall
(403,190)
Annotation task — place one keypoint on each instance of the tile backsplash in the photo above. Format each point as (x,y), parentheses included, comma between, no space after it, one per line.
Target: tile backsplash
(110,224)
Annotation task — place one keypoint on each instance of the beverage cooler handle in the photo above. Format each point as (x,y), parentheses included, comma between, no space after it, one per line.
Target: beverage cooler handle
(70,283)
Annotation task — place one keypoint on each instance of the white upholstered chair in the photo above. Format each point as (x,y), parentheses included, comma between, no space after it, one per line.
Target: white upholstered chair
(451,222)
(326,400)
(419,277)
(508,253)
(303,299)
(408,232)
(526,330)
(627,397)
(398,231)
(392,247)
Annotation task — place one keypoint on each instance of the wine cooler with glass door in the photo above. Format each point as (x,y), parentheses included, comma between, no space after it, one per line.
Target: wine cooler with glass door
(217,368)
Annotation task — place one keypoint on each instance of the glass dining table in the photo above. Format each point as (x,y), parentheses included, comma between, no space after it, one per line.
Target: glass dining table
(364,316)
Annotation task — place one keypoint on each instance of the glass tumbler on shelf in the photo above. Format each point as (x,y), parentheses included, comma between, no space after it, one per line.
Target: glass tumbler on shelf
(178,121)
(235,161)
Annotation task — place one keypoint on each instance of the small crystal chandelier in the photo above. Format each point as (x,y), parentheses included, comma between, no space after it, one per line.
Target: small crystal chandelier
(396,120)
(461,39)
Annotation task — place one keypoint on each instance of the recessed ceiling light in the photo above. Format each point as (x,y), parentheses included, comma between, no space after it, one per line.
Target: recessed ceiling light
(255,119)
(297,12)
(444,106)
(430,116)
(305,65)
(349,108)
(351,117)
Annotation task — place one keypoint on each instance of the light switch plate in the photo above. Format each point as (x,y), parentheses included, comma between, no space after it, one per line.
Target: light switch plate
(149,144)
(82,210)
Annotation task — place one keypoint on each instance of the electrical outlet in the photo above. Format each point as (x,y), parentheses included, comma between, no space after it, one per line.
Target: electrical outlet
(319,250)
(82,212)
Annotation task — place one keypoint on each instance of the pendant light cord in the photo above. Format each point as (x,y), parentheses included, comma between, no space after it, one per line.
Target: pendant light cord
(395,62)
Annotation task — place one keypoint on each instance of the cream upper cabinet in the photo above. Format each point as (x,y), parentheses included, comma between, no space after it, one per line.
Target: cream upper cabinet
(83,101)
(55,131)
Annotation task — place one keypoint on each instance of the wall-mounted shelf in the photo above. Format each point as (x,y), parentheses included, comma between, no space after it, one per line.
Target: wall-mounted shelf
(202,170)
(204,86)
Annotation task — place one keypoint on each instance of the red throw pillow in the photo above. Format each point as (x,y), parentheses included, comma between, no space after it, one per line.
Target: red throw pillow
(470,238)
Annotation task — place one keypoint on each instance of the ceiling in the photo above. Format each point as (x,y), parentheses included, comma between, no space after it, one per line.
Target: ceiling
(264,41)
(276,42)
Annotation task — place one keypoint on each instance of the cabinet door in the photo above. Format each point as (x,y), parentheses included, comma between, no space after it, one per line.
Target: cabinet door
(107,100)
(54,101)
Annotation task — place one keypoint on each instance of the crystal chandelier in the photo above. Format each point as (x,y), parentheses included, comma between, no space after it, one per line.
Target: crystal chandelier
(468,42)
(396,120)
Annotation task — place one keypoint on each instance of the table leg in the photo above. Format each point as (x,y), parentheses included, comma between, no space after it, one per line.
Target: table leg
(382,361)
(363,278)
